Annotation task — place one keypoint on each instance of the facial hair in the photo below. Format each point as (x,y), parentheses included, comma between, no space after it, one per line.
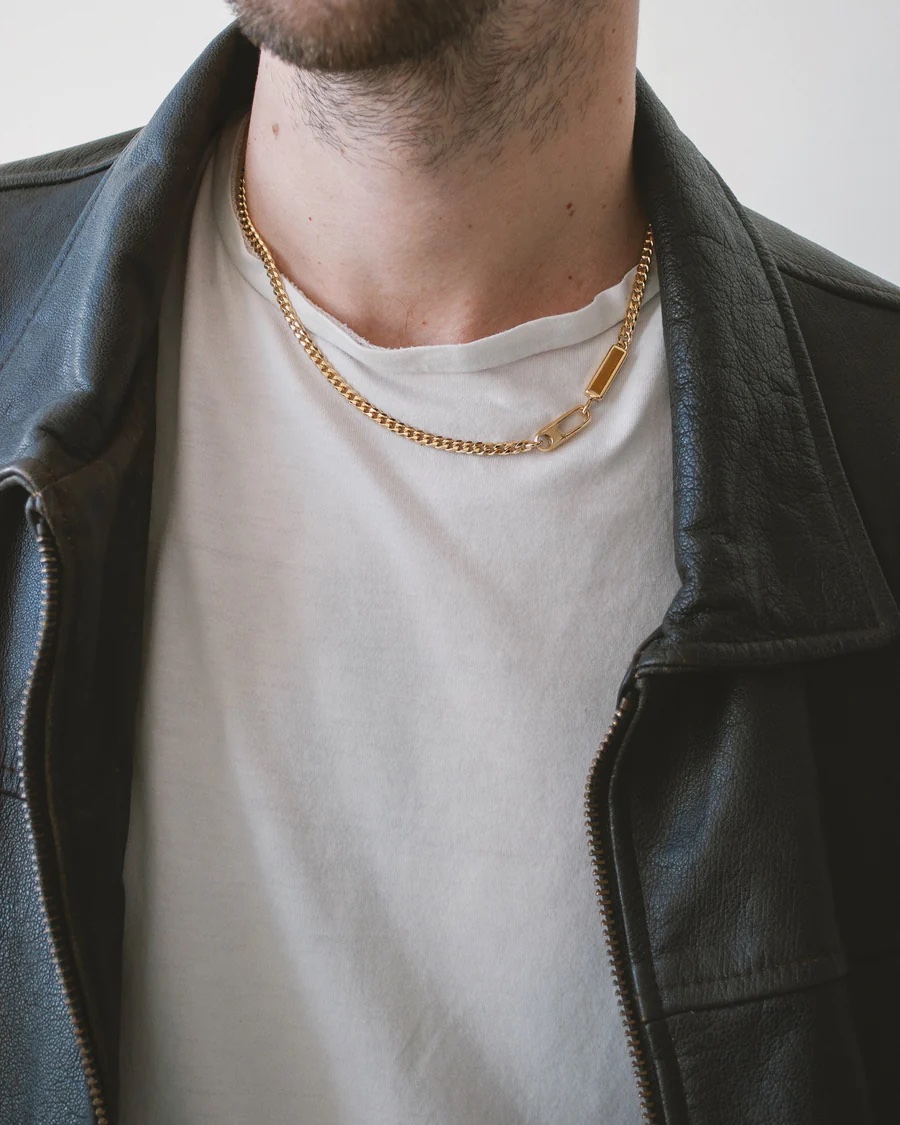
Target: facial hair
(429,82)
(351,36)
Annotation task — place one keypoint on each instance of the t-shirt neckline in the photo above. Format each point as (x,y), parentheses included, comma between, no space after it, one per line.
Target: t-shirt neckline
(533,337)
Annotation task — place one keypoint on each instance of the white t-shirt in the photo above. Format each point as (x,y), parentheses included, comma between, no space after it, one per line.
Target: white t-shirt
(358,883)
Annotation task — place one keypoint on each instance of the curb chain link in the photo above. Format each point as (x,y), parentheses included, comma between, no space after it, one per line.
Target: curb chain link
(424,437)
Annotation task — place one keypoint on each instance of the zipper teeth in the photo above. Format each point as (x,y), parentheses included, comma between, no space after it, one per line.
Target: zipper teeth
(37,670)
(600,864)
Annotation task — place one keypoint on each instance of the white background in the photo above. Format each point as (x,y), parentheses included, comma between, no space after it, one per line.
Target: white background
(794,101)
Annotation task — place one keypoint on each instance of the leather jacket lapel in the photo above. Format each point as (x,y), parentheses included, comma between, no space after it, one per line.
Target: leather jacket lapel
(774,559)
(69,372)
(775,562)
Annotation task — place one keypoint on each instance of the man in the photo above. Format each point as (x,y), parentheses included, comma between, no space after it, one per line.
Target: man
(305,686)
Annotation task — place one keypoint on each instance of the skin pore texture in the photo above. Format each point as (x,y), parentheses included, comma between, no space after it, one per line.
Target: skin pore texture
(436,171)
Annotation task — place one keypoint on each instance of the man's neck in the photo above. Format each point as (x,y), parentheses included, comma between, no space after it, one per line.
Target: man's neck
(441,208)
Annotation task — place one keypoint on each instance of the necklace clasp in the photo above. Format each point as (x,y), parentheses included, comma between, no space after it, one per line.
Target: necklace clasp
(553,434)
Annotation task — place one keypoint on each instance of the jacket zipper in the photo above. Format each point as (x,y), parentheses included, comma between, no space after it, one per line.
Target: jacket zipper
(611,933)
(38,845)
(36,679)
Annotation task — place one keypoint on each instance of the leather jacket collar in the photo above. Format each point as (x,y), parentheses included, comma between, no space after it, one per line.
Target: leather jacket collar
(774,560)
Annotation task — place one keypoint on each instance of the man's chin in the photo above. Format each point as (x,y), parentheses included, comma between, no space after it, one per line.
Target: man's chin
(355,36)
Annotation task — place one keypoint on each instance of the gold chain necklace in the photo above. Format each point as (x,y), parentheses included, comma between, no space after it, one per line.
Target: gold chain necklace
(549,437)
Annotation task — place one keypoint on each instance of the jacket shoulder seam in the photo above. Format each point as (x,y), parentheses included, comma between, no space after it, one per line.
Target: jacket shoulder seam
(49,177)
(48,281)
(50,180)
(870,294)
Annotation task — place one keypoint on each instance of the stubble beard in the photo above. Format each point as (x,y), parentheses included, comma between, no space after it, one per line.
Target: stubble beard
(429,82)
(359,36)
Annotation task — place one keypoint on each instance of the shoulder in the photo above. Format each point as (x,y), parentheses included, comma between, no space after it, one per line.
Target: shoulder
(41,200)
(849,318)
(806,263)
(65,166)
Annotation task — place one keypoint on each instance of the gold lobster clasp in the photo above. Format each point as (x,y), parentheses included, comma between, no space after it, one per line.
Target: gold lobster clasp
(555,433)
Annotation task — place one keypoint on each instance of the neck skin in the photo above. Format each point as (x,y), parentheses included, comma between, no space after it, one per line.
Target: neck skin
(390,206)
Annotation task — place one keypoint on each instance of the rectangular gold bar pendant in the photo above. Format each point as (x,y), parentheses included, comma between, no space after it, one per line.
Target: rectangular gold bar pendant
(606,372)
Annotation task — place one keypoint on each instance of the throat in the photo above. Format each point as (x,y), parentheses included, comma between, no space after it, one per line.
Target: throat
(443,207)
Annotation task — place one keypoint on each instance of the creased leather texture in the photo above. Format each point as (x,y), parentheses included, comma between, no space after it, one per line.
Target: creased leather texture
(769,1036)
(748,802)
(764,494)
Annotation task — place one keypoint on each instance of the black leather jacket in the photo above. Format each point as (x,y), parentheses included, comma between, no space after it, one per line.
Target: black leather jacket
(742,809)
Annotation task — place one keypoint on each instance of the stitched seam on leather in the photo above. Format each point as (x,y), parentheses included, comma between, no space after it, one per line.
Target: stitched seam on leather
(48,177)
(26,182)
(880,298)
(764,648)
(10,793)
(61,259)
(742,1001)
(780,249)
(754,972)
